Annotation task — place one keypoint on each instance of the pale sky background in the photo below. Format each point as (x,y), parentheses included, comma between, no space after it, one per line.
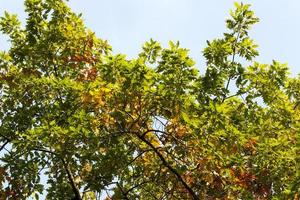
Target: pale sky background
(127,24)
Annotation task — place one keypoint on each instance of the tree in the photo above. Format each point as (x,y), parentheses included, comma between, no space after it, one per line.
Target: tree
(94,124)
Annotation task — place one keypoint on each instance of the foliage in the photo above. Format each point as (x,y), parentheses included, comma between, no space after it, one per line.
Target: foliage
(94,124)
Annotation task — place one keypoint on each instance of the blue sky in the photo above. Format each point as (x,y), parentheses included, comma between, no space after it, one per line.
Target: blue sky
(127,24)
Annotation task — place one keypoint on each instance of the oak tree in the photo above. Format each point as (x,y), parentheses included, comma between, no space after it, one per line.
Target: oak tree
(80,122)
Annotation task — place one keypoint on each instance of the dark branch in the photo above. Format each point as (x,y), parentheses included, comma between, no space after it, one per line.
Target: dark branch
(3,146)
(174,171)
(71,180)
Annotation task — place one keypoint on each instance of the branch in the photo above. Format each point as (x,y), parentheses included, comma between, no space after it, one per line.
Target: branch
(234,95)
(232,60)
(3,146)
(122,191)
(46,151)
(139,155)
(296,105)
(68,171)
(72,182)
(153,130)
(174,171)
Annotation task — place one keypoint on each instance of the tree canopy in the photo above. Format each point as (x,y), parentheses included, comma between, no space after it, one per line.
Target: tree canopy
(79,122)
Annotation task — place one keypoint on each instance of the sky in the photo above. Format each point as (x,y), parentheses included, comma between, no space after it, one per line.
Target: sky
(127,24)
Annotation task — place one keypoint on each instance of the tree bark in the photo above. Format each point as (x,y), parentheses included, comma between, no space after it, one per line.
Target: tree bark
(72,182)
(174,171)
